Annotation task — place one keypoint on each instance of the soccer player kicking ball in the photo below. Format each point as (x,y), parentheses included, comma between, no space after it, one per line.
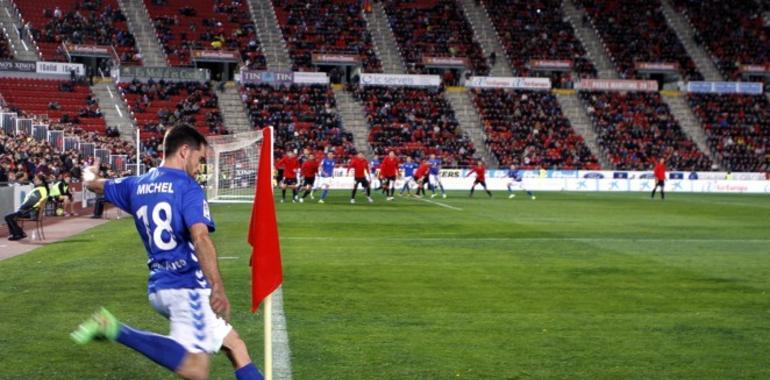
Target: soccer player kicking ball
(360,172)
(389,172)
(326,173)
(480,171)
(516,178)
(435,176)
(309,168)
(173,221)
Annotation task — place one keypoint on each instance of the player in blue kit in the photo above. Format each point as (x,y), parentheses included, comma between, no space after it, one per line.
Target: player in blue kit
(435,178)
(408,167)
(325,175)
(374,173)
(173,220)
(516,178)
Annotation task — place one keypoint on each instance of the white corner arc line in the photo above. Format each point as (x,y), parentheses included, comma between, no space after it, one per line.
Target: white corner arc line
(281,350)
(437,203)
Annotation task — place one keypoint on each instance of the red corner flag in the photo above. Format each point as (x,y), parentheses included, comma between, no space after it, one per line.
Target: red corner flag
(266,272)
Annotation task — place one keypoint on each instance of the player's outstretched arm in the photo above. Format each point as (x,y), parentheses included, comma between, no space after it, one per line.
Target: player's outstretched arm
(207,258)
(91,179)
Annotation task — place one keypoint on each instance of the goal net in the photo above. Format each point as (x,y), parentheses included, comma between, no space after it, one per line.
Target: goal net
(232,165)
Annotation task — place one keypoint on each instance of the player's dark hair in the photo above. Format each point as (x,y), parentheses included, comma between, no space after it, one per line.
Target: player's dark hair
(182,135)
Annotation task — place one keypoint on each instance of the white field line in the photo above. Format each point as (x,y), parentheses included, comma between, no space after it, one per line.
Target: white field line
(545,239)
(436,203)
(281,350)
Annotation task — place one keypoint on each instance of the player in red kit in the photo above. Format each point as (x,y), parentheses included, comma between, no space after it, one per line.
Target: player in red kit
(660,179)
(421,176)
(389,172)
(279,166)
(480,171)
(309,168)
(290,166)
(360,167)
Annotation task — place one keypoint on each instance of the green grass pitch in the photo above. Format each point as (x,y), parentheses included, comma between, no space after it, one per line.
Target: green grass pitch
(571,286)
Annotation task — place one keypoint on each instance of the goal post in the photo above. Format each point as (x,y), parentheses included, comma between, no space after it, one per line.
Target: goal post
(232,167)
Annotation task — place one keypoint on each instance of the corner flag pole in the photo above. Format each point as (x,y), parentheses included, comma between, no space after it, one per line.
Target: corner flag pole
(268,310)
(266,272)
(268,303)
(138,149)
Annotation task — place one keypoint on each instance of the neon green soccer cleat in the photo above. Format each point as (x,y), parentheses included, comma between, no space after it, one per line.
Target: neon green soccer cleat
(101,325)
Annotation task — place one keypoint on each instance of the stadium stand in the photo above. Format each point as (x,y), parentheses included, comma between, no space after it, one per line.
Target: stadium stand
(151,148)
(415,122)
(303,117)
(528,129)
(737,129)
(537,30)
(739,37)
(5,48)
(159,105)
(21,156)
(62,101)
(90,22)
(319,26)
(637,129)
(636,31)
(433,28)
(184,25)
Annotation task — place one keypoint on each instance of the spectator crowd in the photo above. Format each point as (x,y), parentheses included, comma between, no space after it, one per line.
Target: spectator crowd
(737,129)
(223,25)
(636,129)
(537,31)
(303,117)
(739,37)
(635,31)
(325,27)
(22,156)
(528,129)
(90,22)
(414,122)
(433,28)
(158,105)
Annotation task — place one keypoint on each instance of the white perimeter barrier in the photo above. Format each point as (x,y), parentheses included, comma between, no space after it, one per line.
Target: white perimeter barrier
(455,179)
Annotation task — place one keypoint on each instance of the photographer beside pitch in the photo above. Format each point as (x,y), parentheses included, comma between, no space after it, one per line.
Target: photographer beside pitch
(172,218)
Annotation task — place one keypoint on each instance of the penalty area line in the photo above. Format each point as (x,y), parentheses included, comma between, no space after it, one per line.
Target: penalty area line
(436,203)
